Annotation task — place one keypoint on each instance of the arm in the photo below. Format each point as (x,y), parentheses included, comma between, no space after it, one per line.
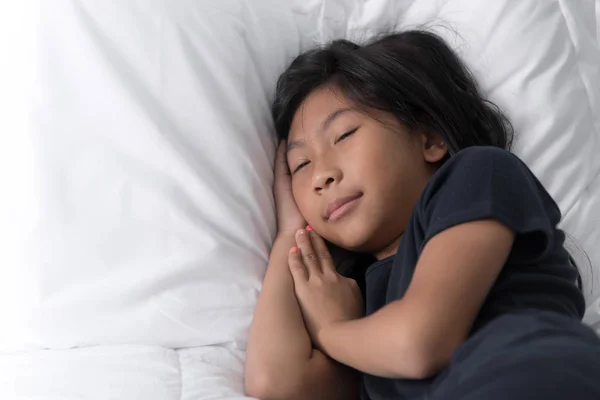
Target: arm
(415,337)
(280,360)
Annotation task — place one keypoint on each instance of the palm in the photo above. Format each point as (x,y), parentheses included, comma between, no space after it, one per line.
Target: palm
(289,217)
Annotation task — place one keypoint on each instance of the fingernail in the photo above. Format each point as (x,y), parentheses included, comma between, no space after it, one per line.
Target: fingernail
(294,249)
(299,232)
(309,228)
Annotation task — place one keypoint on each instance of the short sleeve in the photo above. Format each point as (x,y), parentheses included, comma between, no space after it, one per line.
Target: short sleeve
(490,183)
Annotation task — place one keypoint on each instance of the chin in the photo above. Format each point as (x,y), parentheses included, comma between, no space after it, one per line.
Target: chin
(353,235)
(352,241)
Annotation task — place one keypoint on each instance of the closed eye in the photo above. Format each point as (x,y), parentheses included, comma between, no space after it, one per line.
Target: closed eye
(299,167)
(345,135)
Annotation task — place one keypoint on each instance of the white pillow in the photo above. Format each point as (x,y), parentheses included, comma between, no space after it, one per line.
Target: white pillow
(598,19)
(539,61)
(143,209)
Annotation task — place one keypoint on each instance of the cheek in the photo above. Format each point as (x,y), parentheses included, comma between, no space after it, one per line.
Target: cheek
(310,207)
(385,172)
(368,165)
(302,196)
(373,151)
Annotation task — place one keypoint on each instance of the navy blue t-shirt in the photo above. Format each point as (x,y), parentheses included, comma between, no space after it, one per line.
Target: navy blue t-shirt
(482,183)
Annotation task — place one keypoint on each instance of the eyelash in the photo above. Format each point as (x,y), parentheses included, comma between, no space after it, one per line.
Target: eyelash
(339,139)
(299,167)
(345,135)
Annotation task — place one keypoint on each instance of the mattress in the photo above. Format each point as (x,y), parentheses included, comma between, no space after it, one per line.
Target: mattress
(131,372)
(136,165)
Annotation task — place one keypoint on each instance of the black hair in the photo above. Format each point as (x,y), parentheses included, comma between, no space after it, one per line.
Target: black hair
(413,75)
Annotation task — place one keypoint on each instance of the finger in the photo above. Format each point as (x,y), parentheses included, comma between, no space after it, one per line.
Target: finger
(321,251)
(309,257)
(297,268)
(281,166)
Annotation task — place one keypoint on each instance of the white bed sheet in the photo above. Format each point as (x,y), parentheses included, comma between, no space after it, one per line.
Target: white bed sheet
(128,372)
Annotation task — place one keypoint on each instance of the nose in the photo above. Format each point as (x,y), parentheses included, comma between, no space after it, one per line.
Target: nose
(325,177)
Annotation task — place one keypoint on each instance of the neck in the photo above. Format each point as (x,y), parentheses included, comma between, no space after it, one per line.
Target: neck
(388,250)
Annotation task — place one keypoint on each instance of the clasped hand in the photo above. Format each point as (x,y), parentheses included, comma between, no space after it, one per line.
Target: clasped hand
(325,296)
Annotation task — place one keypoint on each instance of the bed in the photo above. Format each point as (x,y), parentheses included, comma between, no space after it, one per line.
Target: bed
(136,170)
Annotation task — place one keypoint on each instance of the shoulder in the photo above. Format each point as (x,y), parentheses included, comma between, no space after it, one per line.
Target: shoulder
(485,157)
(487,177)
(482,165)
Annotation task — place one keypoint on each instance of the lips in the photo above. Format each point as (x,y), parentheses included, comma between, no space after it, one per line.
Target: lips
(337,204)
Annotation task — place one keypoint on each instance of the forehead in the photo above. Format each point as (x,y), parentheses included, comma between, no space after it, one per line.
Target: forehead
(316,108)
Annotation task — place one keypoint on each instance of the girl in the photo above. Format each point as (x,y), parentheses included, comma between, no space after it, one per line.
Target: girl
(390,150)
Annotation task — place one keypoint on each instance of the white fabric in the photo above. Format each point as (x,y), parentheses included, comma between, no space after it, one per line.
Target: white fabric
(136,169)
(146,216)
(124,372)
(598,19)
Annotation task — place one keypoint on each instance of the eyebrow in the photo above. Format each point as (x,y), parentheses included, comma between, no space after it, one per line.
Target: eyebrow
(294,144)
(332,117)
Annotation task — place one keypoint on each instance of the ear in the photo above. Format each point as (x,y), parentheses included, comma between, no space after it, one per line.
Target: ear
(434,148)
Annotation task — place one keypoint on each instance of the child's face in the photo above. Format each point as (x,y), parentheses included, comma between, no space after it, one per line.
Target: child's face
(354,178)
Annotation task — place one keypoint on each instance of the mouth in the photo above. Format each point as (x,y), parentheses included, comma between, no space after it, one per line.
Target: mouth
(340,207)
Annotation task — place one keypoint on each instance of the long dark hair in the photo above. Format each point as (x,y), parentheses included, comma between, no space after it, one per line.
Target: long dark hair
(413,75)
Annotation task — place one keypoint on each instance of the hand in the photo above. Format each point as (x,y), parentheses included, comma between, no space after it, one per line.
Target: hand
(289,218)
(325,297)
